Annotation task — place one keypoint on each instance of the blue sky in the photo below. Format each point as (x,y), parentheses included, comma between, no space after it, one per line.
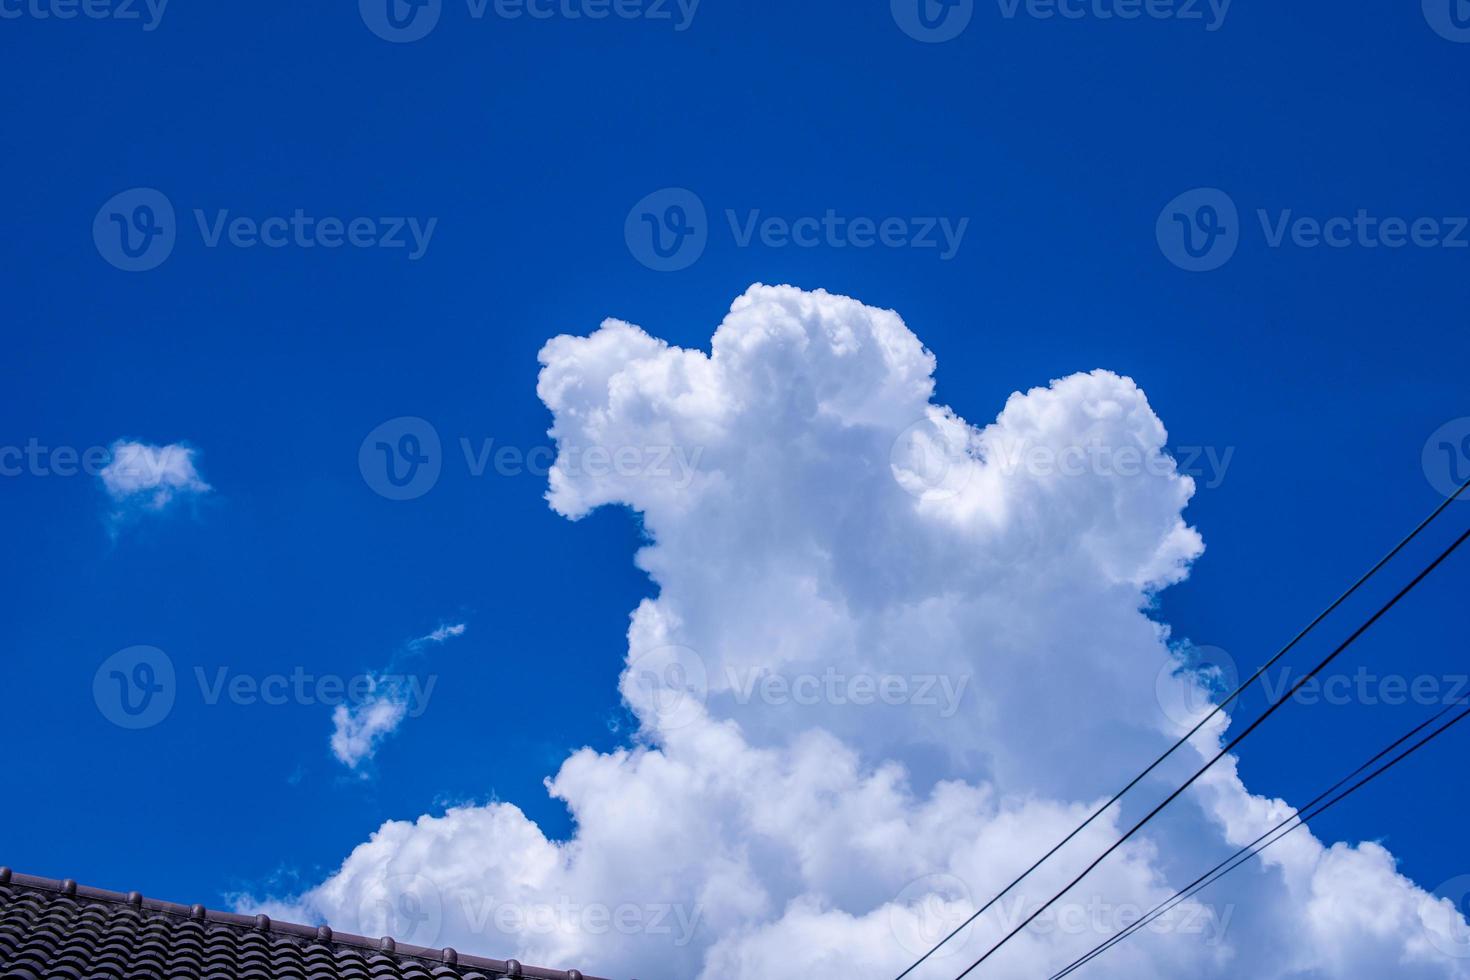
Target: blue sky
(1322,371)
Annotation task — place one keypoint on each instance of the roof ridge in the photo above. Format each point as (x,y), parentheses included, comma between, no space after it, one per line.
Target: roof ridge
(263,923)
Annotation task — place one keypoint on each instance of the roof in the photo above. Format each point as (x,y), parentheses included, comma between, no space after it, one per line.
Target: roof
(59,930)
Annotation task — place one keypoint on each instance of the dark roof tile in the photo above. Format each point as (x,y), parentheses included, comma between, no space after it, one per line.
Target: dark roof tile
(58,930)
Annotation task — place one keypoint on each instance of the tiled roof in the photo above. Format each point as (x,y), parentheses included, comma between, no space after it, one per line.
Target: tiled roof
(57,930)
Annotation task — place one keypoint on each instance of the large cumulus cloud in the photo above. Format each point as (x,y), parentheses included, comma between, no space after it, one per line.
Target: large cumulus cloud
(893,657)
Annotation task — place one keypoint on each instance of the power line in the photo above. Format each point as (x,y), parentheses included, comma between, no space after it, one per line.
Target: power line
(1223,752)
(1200,724)
(1297,820)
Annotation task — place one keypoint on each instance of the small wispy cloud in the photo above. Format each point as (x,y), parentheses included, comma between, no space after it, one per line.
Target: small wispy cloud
(359,729)
(440,635)
(142,478)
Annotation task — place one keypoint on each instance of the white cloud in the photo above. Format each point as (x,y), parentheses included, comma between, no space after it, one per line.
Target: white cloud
(440,634)
(790,804)
(358,729)
(141,477)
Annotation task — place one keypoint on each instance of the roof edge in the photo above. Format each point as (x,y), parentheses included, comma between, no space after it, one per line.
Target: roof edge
(263,923)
